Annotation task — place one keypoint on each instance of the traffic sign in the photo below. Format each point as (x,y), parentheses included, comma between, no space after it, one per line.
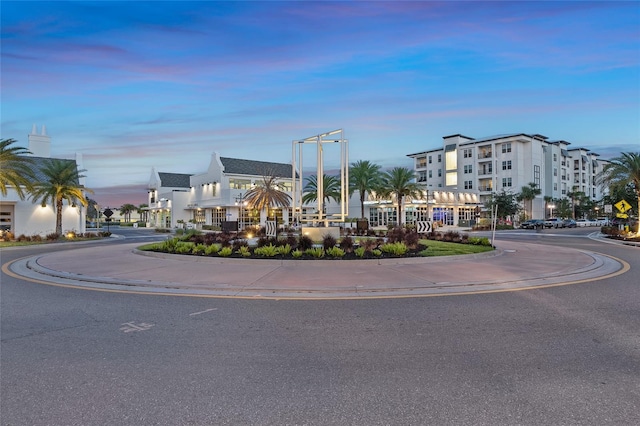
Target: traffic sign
(623,206)
(108,212)
(423,227)
(270,228)
(622,215)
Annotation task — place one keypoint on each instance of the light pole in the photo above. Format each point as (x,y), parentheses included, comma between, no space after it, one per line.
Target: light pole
(240,203)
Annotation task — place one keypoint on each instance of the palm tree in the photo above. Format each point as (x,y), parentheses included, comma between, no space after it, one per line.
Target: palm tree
(621,172)
(61,182)
(398,183)
(267,194)
(330,189)
(364,177)
(143,212)
(126,210)
(15,168)
(527,194)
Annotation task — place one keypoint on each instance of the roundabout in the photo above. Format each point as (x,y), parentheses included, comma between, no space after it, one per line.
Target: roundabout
(123,268)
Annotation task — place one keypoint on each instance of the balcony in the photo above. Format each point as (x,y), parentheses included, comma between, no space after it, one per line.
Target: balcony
(484,155)
(482,172)
(485,188)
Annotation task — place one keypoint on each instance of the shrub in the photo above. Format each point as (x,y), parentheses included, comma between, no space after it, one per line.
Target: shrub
(360,251)
(163,230)
(346,244)
(394,249)
(292,241)
(199,249)
(184,247)
(395,235)
(238,243)
(376,252)
(23,238)
(284,250)
(102,234)
(329,241)
(411,239)
(6,235)
(52,236)
(225,251)
(368,244)
(243,251)
(479,241)
(266,251)
(170,245)
(452,236)
(296,254)
(305,243)
(334,251)
(36,237)
(316,252)
(212,249)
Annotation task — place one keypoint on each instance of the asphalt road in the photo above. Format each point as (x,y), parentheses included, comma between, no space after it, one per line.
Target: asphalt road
(563,355)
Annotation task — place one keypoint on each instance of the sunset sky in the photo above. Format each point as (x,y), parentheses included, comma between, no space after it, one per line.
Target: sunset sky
(132,85)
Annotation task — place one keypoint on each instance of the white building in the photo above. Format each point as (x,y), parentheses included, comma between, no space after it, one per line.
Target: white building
(216,195)
(465,165)
(24,217)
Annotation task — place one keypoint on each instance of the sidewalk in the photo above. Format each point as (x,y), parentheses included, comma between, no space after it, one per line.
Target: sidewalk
(122,268)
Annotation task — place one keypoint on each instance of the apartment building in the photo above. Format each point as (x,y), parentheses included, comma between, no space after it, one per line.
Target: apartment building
(479,167)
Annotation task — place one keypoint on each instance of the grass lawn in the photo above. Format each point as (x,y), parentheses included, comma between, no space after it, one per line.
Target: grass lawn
(441,248)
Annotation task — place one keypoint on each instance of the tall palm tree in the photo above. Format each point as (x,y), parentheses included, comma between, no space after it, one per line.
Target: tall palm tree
(15,168)
(126,210)
(267,194)
(527,194)
(621,172)
(330,189)
(399,183)
(61,182)
(143,212)
(364,177)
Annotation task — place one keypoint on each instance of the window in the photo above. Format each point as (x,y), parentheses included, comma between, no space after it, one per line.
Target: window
(421,162)
(468,169)
(430,173)
(422,176)
(429,159)
(439,158)
(468,184)
(240,183)
(506,147)
(555,157)
(439,172)
(506,182)
(555,171)
(506,165)
(467,153)
(536,175)
(555,186)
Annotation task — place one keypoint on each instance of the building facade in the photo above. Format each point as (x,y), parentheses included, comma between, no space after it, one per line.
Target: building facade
(464,165)
(25,217)
(216,195)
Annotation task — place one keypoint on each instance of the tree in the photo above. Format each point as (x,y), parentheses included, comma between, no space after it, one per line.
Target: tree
(126,210)
(15,168)
(621,172)
(506,203)
(527,194)
(364,177)
(61,182)
(143,212)
(267,194)
(330,189)
(398,183)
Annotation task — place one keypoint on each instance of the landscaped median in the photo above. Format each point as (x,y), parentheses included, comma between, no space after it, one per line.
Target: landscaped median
(397,243)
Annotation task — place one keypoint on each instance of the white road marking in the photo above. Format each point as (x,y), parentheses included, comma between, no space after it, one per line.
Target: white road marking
(202,312)
(128,327)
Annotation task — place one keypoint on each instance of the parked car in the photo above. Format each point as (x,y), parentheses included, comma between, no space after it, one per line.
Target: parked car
(553,223)
(532,224)
(569,223)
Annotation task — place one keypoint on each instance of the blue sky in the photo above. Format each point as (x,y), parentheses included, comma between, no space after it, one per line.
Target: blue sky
(132,85)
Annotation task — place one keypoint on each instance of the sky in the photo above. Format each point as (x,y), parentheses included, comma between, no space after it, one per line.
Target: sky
(135,85)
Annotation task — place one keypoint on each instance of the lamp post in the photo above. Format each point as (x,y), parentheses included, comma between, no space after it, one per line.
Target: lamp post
(240,202)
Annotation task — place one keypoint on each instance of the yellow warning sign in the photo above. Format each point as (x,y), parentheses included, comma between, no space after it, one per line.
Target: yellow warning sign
(622,215)
(623,206)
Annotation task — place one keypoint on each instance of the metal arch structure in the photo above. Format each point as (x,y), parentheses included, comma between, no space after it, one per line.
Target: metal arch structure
(335,136)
